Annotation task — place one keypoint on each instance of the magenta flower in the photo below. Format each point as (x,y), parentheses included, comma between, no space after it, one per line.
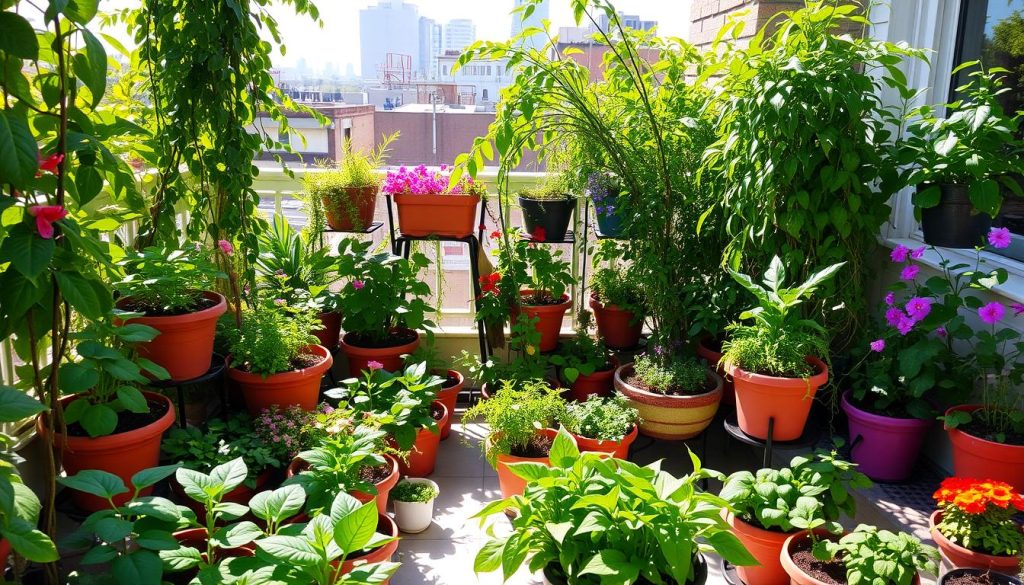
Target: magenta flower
(992,313)
(1017,309)
(878,345)
(374,365)
(893,316)
(358,284)
(280,302)
(226,247)
(910,272)
(916,253)
(905,325)
(940,331)
(890,298)
(999,238)
(45,216)
(919,307)
(899,253)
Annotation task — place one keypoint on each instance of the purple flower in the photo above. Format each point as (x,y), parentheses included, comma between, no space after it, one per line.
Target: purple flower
(992,312)
(280,302)
(910,272)
(225,246)
(919,307)
(940,331)
(905,325)
(916,253)
(899,253)
(999,238)
(890,298)
(1017,309)
(358,284)
(878,345)
(893,316)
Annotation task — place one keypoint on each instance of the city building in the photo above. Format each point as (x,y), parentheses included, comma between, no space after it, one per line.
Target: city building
(484,79)
(391,28)
(541,13)
(431,46)
(459,34)
(632,21)
(313,141)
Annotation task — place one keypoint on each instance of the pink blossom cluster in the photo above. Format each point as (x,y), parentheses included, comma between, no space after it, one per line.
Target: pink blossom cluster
(423,181)
(283,427)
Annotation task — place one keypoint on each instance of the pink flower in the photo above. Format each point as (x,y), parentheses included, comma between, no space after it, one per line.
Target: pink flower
(1017,309)
(280,302)
(226,247)
(992,312)
(919,307)
(899,253)
(45,216)
(940,331)
(916,253)
(358,284)
(878,345)
(905,325)
(890,298)
(49,164)
(893,316)
(374,365)
(999,238)
(910,272)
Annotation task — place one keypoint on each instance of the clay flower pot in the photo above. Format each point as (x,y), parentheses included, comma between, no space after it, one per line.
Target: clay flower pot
(448,397)
(185,343)
(357,215)
(884,448)
(329,333)
(297,387)
(549,319)
(979,576)
(383,554)
(977,457)
(766,546)
(787,400)
(617,449)
(510,483)
(389,357)
(797,576)
(713,355)
(959,556)
(383,486)
(452,216)
(123,454)
(670,417)
(600,382)
(421,460)
(616,326)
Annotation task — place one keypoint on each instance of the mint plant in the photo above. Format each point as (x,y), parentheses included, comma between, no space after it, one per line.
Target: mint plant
(879,557)
(335,465)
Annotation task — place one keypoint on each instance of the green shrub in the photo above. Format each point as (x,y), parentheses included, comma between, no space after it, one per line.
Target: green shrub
(604,419)
(271,338)
(515,413)
(409,491)
(672,376)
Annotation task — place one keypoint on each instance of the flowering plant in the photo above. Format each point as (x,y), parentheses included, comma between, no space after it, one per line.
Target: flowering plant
(222,441)
(284,430)
(978,515)
(522,266)
(423,181)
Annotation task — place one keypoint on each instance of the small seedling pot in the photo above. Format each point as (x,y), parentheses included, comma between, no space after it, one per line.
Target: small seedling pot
(414,517)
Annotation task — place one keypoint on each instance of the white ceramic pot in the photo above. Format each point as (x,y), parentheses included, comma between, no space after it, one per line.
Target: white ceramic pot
(413,517)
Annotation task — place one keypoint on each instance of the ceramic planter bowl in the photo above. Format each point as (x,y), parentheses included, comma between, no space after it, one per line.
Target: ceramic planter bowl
(452,216)
(787,400)
(884,448)
(383,486)
(415,517)
(961,557)
(549,319)
(390,357)
(670,417)
(766,546)
(420,462)
(449,397)
(619,328)
(617,449)
(297,387)
(354,215)
(510,483)
(977,457)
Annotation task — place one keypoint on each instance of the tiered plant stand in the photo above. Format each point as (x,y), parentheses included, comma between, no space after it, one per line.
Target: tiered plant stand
(217,367)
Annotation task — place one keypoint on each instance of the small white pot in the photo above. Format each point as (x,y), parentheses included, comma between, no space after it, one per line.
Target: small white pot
(413,517)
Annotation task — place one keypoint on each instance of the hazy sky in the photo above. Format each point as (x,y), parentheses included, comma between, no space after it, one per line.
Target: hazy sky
(338,41)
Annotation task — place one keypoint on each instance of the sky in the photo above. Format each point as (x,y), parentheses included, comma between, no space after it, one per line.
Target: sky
(338,41)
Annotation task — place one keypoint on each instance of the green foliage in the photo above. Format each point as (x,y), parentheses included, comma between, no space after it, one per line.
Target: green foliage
(581,355)
(221,442)
(603,520)
(614,286)
(880,557)
(814,491)
(335,464)
(514,414)
(604,419)
(292,268)
(328,188)
(414,491)
(554,187)
(271,337)
(286,431)
(971,142)
(672,375)
(166,281)
(780,339)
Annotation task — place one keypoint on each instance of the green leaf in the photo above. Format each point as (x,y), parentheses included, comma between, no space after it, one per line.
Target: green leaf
(731,549)
(112,529)
(89,298)
(17,37)
(81,11)
(93,481)
(228,476)
(29,542)
(181,559)
(564,451)
(89,183)
(91,66)
(16,405)
(290,549)
(354,530)
(133,400)
(236,535)
(529,470)
(489,556)
(23,148)
(148,477)
(984,195)
(27,251)
(99,420)
(611,563)
(77,377)
(278,504)
(141,567)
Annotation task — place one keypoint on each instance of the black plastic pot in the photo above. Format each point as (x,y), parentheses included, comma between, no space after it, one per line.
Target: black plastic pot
(999,578)
(954,223)
(553,215)
(553,574)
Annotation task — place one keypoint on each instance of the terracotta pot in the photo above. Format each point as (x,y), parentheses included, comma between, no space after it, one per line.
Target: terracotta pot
(421,460)
(5,551)
(674,418)
(357,214)
(298,387)
(955,575)
(787,400)
(959,556)
(390,357)
(766,546)
(123,454)
(185,343)
(617,449)
(549,317)
(329,333)
(383,486)
(616,326)
(797,576)
(240,495)
(448,397)
(714,359)
(451,216)
(509,483)
(600,383)
(197,538)
(383,554)
(977,457)
(883,447)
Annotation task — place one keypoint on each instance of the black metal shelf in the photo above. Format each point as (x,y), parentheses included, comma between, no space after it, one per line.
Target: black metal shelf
(217,367)
(570,238)
(369,230)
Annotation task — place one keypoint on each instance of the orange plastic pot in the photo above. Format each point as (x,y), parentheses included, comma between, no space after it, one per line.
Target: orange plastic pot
(185,343)
(383,554)
(329,333)
(437,215)
(357,215)
(549,319)
(667,416)
(123,454)
(383,486)
(797,576)
(448,397)
(766,546)
(420,462)
(977,457)
(390,357)
(962,557)
(787,400)
(714,359)
(619,328)
(511,484)
(617,449)
(298,387)
(600,383)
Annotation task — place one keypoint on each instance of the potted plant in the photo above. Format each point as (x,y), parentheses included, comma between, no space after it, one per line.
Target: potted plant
(519,419)
(110,424)
(383,304)
(300,272)
(547,209)
(288,430)
(768,507)
(978,577)
(348,192)
(677,396)
(414,504)
(962,160)
(776,361)
(603,425)
(588,520)
(429,204)
(974,525)
(452,381)
(585,365)
(867,554)
(275,358)
(618,307)
(604,190)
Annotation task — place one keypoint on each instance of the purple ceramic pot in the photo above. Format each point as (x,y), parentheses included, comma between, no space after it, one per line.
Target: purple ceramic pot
(887,447)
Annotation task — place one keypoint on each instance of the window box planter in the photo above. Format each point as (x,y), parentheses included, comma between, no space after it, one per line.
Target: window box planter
(450,216)
(787,400)
(620,329)
(667,416)
(390,357)
(977,457)
(953,223)
(962,557)
(299,387)
(883,447)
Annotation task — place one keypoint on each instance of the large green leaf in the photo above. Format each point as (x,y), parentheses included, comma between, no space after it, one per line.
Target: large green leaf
(290,549)
(93,481)
(564,451)
(81,11)
(77,377)
(17,38)
(16,405)
(278,504)
(99,420)
(354,530)
(88,297)
(180,559)
(26,250)
(228,476)
(20,146)
(29,542)
(91,66)
(148,477)
(141,567)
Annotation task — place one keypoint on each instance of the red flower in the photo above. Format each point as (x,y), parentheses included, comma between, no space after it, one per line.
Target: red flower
(496,235)
(538,234)
(481,227)
(489,283)
(45,216)
(50,164)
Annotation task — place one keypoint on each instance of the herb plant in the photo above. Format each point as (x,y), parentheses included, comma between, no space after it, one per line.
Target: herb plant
(591,520)
(514,414)
(613,285)
(879,557)
(672,375)
(272,339)
(165,281)
(603,419)
(286,431)
(219,443)
(294,269)
(329,187)
(335,463)
(412,491)
(581,355)
(978,515)
(553,188)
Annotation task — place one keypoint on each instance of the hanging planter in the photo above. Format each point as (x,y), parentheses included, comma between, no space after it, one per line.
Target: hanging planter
(883,447)
(350,209)
(977,457)
(953,222)
(672,417)
(299,387)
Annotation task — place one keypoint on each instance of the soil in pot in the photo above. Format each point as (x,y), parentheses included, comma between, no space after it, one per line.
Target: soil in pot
(977,577)
(830,572)
(361,349)
(128,420)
